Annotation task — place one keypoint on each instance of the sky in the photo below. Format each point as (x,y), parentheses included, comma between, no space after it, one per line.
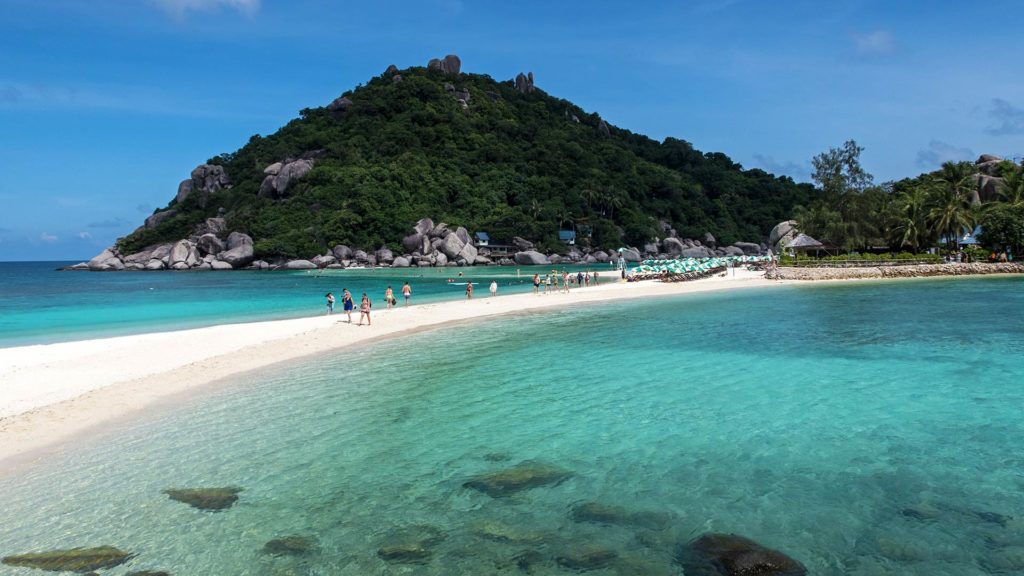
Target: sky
(106,105)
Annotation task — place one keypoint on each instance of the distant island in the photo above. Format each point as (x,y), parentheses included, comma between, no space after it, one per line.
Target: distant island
(536,175)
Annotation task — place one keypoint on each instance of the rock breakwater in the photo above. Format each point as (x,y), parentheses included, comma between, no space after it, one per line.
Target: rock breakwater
(912,271)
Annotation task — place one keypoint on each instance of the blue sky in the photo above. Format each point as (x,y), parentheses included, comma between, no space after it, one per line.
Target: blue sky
(106,105)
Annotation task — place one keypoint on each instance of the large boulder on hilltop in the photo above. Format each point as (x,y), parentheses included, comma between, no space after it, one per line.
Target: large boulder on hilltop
(275,185)
(210,244)
(205,180)
(732,555)
(672,245)
(215,226)
(342,252)
(450,64)
(986,158)
(749,248)
(530,258)
(782,234)
(524,83)
(157,218)
(424,226)
(340,105)
(988,188)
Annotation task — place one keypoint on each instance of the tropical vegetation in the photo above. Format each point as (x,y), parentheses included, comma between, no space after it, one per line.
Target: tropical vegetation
(508,163)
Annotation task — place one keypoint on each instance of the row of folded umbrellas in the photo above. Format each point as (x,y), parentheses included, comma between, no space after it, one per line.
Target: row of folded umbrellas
(688,265)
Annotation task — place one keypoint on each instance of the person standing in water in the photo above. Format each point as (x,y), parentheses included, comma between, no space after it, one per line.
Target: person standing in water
(494,287)
(406,291)
(347,304)
(469,290)
(364,310)
(389,297)
(330,303)
(536,283)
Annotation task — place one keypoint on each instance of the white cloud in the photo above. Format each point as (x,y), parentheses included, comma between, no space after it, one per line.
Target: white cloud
(85,235)
(1009,119)
(875,43)
(938,152)
(178,8)
(48,238)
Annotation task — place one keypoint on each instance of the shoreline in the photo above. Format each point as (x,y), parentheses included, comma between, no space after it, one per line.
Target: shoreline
(115,378)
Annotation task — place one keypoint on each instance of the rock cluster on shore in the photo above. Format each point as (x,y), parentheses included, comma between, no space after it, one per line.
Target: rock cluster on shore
(915,271)
(211,247)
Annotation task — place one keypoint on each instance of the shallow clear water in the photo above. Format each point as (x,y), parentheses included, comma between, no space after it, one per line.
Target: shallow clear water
(39,304)
(861,429)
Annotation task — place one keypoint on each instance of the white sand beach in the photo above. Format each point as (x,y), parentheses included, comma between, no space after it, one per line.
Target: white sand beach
(51,394)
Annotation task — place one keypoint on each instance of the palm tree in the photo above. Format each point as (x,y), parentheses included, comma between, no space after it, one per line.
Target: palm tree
(910,225)
(612,200)
(590,196)
(951,212)
(1012,189)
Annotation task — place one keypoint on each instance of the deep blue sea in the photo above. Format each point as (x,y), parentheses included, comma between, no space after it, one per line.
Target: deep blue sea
(862,429)
(40,304)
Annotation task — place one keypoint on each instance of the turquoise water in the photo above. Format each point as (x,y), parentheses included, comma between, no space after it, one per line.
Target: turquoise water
(39,304)
(863,429)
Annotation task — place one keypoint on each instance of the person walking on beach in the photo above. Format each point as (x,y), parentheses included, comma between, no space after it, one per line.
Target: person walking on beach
(565,281)
(389,297)
(347,304)
(579,279)
(586,278)
(595,277)
(469,290)
(406,291)
(364,310)
(494,287)
(536,283)
(330,303)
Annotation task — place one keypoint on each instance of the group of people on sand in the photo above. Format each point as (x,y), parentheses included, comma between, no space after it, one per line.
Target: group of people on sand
(554,280)
(365,304)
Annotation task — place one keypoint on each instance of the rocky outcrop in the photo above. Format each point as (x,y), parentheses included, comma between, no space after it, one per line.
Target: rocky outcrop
(340,105)
(748,248)
(450,65)
(391,69)
(384,256)
(530,258)
(239,252)
(400,262)
(458,246)
(205,179)
(342,252)
(602,127)
(275,184)
(732,555)
(299,265)
(324,260)
(524,83)
(988,188)
(107,260)
(631,255)
(158,217)
(521,244)
(697,252)
(210,244)
(782,234)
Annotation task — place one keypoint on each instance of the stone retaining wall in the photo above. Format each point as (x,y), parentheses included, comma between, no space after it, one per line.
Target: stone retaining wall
(912,271)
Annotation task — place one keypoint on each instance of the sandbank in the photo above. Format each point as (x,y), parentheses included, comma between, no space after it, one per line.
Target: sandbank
(54,393)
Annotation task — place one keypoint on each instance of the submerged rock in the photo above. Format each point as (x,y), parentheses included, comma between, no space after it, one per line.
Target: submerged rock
(205,498)
(293,545)
(731,555)
(501,532)
(522,476)
(410,544)
(73,560)
(604,514)
(586,558)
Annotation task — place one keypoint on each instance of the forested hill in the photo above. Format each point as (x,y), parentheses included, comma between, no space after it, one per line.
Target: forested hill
(502,157)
